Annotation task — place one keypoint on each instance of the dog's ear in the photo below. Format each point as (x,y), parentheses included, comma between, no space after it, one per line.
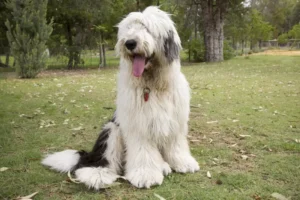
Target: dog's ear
(171,48)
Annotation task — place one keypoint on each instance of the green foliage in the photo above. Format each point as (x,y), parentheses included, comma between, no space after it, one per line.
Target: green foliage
(28,37)
(197,50)
(259,30)
(283,38)
(4,14)
(279,13)
(295,32)
(228,51)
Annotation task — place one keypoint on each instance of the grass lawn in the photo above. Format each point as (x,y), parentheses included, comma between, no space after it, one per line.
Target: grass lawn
(244,130)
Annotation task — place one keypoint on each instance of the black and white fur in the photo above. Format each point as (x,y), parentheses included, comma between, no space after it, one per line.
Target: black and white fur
(146,139)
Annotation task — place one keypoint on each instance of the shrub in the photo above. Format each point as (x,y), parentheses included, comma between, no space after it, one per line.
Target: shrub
(228,51)
(28,36)
(197,50)
(283,38)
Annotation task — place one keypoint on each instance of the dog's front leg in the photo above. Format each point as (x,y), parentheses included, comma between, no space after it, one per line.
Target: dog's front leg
(144,163)
(177,155)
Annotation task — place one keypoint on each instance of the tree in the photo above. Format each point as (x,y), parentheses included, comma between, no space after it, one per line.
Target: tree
(90,23)
(28,37)
(72,23)
(295,18)
(4,49)
(213,12)
(259,30)
(279,13)
(236,29)
(295,32)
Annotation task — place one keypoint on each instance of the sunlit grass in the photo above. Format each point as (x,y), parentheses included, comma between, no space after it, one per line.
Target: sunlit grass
(244,128)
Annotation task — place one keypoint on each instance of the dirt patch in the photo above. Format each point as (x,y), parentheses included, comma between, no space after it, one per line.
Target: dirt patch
(279,52)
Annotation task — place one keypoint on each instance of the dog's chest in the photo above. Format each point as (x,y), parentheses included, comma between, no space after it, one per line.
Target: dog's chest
(146,111)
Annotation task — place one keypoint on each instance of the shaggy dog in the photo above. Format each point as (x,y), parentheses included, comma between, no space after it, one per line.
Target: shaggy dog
(146,139)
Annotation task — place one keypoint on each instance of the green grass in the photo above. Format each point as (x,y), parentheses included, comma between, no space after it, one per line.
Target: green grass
(258,97)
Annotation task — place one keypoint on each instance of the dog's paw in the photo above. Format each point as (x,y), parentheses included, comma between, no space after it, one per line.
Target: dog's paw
(166,169)
(185,164)
(144,177)
(96,177)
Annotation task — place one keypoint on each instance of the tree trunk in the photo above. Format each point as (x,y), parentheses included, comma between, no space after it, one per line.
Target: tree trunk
(189,49)
(243,42)
(103,55)
(100,56)
(70,48)
(138,5)
(213,15)
(78,41)
(195,22)
(7,57)
(260,44)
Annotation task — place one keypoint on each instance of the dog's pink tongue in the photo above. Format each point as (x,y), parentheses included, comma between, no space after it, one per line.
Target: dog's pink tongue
(138,65)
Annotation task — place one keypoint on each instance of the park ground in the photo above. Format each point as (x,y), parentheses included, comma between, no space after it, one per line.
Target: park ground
(244,130)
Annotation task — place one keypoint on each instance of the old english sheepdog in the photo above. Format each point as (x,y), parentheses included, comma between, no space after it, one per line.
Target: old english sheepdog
(147,137)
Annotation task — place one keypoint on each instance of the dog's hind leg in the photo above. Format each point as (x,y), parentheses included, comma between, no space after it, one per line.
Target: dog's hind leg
(103,165)
(98,168)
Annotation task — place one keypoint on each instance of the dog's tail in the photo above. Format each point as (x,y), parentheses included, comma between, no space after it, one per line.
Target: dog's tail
(63,161)
(97,168)
(71,160)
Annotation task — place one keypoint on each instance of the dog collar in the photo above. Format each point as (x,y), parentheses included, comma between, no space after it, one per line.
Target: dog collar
(146,93)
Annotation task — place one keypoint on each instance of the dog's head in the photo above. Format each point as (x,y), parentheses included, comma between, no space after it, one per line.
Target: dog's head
(148,36)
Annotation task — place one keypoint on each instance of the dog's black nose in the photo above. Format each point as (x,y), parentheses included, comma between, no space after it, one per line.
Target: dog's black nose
(130,44)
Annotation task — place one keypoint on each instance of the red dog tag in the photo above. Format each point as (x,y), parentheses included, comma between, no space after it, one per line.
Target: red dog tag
(146,94)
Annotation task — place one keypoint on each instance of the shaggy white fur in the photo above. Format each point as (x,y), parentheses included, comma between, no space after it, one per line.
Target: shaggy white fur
(155,131)
(96,177)
(149,129)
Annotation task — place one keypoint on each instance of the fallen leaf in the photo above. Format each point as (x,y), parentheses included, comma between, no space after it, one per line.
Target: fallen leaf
(279,196)
(47,123)
(2,169)
(72,179)
(78,128)
(244,136)
(208,174)
(159,197)
(66,111)
(29,197)
(26,116)
(244,157)
(256,197)
(212,122)
(242,151)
